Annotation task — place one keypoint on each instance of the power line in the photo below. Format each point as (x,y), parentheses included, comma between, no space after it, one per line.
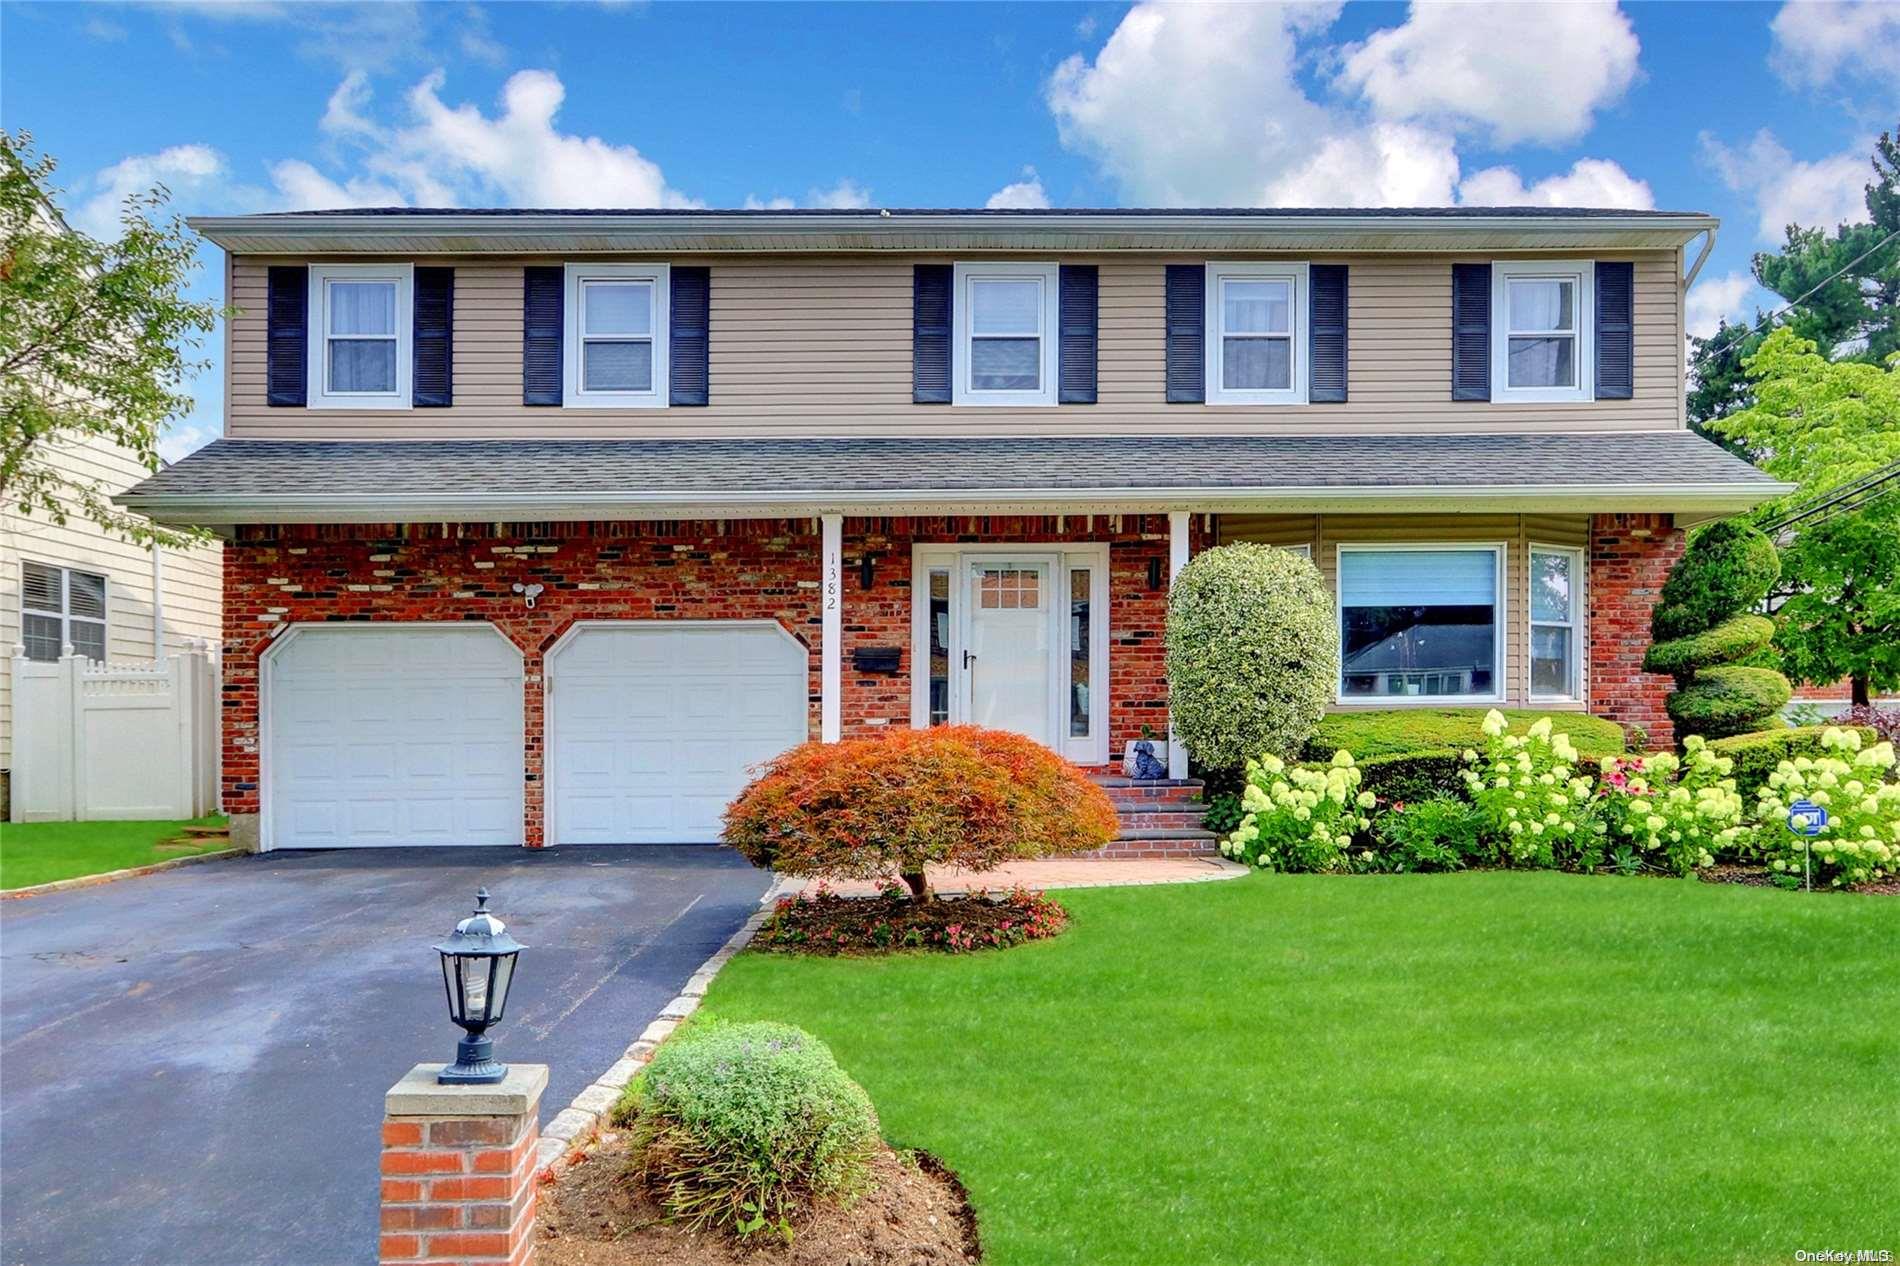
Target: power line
(1855,494)
(1715,341)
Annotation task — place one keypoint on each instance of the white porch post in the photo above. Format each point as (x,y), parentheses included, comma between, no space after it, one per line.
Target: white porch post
(831,649)
(1177,559)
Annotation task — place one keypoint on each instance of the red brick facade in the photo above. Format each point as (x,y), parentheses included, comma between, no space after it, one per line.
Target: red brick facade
(742,569)
(1630,557)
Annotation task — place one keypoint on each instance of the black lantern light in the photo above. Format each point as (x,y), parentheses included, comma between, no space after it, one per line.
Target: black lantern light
(478,965)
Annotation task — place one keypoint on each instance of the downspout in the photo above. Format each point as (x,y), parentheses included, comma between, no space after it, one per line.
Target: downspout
(158,603)
(1695,269)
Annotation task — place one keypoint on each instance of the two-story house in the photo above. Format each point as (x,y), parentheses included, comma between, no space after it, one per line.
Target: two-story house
(543,526)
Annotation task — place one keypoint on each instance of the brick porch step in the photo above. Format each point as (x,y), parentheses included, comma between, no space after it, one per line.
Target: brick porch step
(1161,818)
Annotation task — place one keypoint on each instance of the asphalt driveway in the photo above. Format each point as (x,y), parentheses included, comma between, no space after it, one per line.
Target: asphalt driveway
(192,1065)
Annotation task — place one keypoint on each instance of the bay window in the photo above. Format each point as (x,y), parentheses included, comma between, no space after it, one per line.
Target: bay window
(1420,621)
(362,320)
(1540,331)
(1257,328)
(1554,627)
(1006,323)
(616,318)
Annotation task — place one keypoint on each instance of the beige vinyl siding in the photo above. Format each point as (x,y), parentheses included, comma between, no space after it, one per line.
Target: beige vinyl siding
(822,346)
(192,579)
(1516,532)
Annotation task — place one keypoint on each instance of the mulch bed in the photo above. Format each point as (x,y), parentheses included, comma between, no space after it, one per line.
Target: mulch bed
(1757,877)
(916,1213)
(823,922)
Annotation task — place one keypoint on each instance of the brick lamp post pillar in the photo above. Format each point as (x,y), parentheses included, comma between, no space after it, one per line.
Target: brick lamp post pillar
(458,1168)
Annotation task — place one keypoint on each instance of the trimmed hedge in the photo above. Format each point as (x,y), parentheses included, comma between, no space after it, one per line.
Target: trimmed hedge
(1413,777)
(1431,731)
(1729,699)
(1734,639)
(1757,754)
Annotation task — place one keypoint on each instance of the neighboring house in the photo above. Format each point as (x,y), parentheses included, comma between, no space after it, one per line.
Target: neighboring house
(77,584)
(543,526)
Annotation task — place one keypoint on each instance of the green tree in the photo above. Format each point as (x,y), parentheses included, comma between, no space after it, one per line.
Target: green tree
(94,342)
(1821,424)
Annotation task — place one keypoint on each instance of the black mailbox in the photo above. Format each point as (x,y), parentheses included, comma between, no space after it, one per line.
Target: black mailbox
(876,659)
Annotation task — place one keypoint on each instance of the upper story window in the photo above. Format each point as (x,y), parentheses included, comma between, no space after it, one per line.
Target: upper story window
(360,357)
(1006,325)
(616,336)
(1257,327)
(58,606)
(1556,574)
(1540,330)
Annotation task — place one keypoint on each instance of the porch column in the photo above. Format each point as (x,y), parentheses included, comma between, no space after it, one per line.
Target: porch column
(1177,559)
(831,635)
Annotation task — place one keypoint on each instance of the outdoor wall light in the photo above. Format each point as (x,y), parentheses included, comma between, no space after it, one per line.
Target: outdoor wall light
(1154,576)
(867,575)
(528,593)
(478,965)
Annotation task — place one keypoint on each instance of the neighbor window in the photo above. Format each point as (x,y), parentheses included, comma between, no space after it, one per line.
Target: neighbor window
(1555,577)
(1419,622)
(1256,321)
(1540,330)
(58,606)
(616,324)
(361,318)
(1006,347)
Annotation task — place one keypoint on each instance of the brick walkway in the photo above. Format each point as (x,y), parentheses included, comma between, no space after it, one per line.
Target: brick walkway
(1057,873)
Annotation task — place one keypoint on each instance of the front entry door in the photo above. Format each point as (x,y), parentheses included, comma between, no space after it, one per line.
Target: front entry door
(1008,645)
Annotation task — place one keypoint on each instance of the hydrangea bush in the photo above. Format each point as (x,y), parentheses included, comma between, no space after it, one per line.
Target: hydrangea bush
(1299,819)
(1673,813)
(1861,842)
(1534,807)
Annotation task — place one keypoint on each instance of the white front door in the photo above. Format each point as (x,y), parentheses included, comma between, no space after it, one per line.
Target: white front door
(1009,646)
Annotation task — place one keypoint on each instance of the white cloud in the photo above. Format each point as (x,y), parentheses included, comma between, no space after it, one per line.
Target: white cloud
(846,195)
(1517,72)
(183,169)
(1820,194)
(1590,182)
(1025,194)
(1816,40)
(182,438)
(1714,299)
(1199,105)
(103,29)
(302,187)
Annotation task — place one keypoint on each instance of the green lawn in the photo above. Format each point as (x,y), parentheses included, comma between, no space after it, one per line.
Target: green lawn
(41,852)
(1485,1068)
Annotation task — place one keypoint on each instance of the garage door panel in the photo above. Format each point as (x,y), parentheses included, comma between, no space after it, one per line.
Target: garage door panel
(685,712)
(412,734)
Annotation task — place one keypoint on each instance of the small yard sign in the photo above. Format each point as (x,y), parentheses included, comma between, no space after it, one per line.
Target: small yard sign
(1807,819)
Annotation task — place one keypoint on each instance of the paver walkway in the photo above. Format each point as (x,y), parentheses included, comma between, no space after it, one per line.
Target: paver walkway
(1056,873)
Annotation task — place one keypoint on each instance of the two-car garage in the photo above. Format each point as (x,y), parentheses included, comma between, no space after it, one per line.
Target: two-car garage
(381,733)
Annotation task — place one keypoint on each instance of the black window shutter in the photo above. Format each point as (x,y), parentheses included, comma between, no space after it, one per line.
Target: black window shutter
(433,381)
(688,339)
(930,334)
(286,337)
(1187,343)
(1078,316)
(1616,331)
(1471,331)
(1326,327)
(541,368)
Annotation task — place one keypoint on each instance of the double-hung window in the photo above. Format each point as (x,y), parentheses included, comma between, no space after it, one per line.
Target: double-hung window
(61,606)
(1420,621)
(1006,327)
(1540,330)
(1556,577)
(616,349)
(1257,317)
(361,319)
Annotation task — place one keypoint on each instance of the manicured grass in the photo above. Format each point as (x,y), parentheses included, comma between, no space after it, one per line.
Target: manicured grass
(1476,1068)
(41,852)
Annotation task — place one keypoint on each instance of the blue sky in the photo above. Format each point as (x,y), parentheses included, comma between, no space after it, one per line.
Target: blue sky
(1757,112)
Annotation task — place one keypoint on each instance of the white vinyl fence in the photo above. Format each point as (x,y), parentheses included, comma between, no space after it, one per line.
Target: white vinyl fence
(96,741)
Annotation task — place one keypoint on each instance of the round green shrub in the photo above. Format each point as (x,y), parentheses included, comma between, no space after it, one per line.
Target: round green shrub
(1727,700)
(1727,568)
(1736,638)
(744,1126)
(1253,653)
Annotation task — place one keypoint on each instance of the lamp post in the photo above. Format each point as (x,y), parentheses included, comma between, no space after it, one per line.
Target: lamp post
(478,965)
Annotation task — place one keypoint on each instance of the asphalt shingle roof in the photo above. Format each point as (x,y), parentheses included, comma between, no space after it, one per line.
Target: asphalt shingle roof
(794,467)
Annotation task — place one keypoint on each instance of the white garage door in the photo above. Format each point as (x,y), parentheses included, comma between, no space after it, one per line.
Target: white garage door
(394,734)
(653,726)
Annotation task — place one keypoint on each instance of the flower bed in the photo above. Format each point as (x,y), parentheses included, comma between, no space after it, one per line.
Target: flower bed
(822,922)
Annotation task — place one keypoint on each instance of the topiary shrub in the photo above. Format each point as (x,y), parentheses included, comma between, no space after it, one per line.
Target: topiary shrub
(745,1126)
(870,808)
(1403,731)
(1702,627)
(1756,755)
(1253,654)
